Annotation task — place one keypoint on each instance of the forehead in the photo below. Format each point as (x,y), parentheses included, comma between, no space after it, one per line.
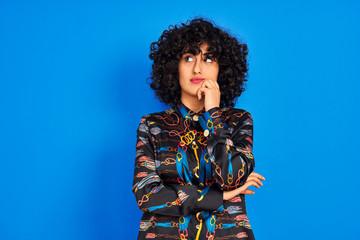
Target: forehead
(204,47)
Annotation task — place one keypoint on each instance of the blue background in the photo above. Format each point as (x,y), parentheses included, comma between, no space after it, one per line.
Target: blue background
(73,89)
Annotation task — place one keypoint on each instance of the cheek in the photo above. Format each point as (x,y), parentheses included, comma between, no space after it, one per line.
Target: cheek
(215,68)
(216,72)
(181,71)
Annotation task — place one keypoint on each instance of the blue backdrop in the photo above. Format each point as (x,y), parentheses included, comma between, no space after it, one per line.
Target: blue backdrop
(73,89)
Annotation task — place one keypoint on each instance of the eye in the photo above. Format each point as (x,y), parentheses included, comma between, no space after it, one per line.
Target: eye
(208,60)
(188,58)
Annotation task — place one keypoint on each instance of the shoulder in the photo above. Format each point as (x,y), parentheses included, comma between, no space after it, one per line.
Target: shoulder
(156,116)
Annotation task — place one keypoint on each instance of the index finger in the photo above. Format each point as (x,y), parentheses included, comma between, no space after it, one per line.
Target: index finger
(257,175)
(212,82)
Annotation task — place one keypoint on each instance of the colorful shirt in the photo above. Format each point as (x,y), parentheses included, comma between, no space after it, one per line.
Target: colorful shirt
(184,161)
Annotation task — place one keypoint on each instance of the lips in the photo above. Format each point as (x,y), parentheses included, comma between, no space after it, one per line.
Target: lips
(196,80)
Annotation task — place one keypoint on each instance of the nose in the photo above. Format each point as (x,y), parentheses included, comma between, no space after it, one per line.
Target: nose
(197,65)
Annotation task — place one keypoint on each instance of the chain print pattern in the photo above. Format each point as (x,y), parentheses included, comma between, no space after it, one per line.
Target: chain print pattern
(182,166)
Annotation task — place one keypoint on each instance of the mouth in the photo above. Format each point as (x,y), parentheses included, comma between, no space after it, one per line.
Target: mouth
(196,80)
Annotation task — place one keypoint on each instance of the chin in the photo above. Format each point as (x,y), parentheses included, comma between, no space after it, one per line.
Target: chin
(192,94)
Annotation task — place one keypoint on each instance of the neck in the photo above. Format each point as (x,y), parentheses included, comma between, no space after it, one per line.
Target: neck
(193,103)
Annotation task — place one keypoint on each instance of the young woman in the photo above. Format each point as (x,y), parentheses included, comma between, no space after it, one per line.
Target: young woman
(194,161)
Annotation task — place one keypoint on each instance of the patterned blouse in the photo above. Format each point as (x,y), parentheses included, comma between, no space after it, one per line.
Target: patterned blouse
(184,161)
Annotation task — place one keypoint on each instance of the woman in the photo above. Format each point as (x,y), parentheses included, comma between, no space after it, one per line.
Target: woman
(194,160)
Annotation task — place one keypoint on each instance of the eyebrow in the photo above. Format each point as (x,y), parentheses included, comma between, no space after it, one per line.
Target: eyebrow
(205,54)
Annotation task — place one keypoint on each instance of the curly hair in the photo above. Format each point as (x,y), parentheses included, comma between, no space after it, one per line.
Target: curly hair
(166,53)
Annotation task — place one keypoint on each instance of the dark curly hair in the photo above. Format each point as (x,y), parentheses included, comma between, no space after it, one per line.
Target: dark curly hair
(166,53)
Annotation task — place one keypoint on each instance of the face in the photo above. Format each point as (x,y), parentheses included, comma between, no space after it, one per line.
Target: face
(193,69)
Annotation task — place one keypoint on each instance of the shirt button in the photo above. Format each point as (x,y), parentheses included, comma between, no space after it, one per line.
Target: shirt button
(206,133)
(196,118)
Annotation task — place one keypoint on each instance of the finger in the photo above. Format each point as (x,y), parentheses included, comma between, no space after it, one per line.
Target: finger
(203,90)
(215,84)
(206,83)
(241,190)
(212,83)
(251,183)
(256,174)
(248,191)
(255,179)
(199,95)
(202,85)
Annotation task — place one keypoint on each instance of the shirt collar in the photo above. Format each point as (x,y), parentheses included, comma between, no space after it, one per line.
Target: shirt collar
(187,112)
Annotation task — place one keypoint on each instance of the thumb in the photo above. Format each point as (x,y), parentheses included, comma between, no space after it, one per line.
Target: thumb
(247,191)
(199,94)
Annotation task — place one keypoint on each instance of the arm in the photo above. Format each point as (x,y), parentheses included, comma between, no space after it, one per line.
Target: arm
(229,147)
(153,195)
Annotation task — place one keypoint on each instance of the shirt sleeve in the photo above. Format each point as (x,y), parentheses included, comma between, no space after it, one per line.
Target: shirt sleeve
(229,147)
(154,195)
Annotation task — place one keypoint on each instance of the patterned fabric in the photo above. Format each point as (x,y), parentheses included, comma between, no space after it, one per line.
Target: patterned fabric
(184,161)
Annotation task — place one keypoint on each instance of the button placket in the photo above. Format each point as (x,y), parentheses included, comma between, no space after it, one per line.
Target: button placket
(195,148)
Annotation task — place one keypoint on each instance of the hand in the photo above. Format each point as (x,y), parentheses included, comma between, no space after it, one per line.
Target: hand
(254,179)
(211,91)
